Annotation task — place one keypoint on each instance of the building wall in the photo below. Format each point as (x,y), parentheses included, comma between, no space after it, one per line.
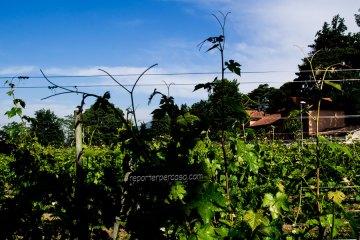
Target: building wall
(329,119)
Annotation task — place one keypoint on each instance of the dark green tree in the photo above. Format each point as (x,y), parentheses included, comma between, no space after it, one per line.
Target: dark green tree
(102,123)
(46,126)
(267,99)
(333,46)
(160,124)
(224,109)
(68,126)
(11,132)
(226,105)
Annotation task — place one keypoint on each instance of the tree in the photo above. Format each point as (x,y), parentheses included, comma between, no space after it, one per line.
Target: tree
(332,47)
(267,99)
(102,122)
(224,109)
(226,105)
(46,126)
(68,126)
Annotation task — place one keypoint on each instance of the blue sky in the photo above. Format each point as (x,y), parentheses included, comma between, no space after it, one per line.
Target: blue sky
(77,37)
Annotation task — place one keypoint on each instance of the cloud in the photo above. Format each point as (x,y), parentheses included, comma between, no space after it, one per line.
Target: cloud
(262,34)
(32,105)
(64,105)
(16,70)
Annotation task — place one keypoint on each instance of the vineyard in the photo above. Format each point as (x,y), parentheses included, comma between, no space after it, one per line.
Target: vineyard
(271,193)
(196,172)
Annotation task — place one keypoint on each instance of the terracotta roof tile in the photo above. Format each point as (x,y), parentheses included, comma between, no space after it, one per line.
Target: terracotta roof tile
(255,114)
(266,120)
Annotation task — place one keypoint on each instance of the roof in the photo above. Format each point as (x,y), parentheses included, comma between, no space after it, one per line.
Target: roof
(255,114)
(266,120)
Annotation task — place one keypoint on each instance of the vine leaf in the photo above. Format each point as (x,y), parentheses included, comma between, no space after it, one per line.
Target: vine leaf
(332,84)
(275,204)
(153,94)
(207,86)
(206,210)
(106,95)
(337,196)
(10,92)
(255,219)
(211,48)
(233,67)
(177,192)
(20,102)
(13,111)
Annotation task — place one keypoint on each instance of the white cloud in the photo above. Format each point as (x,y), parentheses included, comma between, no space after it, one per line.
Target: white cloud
(18,70)
(64,105)
(268,31)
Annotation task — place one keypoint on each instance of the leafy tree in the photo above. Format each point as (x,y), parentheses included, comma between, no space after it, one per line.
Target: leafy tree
(11,132)
(226,106)
(68,126)
(333,46)
(267,99)
(224,109)
(201,110)
(102,122)
(293,123)
(46,126)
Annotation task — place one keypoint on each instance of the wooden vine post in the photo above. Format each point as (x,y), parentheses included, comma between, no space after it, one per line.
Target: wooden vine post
(78,138)
(82,227)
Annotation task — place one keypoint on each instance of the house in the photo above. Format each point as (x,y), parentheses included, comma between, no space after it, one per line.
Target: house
(329,120)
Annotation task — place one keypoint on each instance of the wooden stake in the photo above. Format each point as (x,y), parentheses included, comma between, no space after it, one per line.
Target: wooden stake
(82,227)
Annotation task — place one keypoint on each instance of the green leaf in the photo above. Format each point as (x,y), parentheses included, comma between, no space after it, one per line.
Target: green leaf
(10,93)
(246,152)
(13,112)
(327,221)
(187,119)
(209,203)
(268,200)
(222,231)
(206,211)
(250,218)
(332,84)
(177,191)
(275,204)
(312,222)
(255,219)
(215,195)
(282,201)
(206,232)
